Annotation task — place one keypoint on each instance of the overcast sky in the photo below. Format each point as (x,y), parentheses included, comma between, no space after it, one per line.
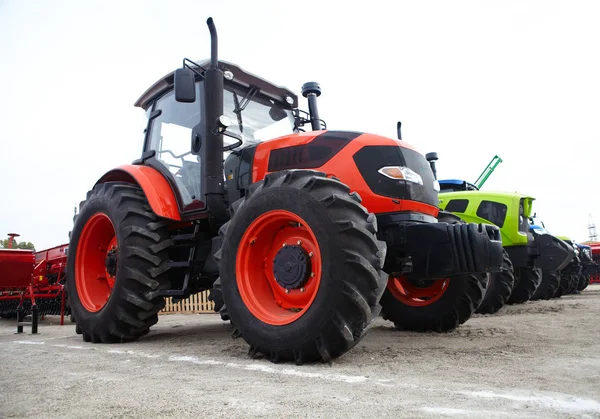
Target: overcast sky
(468,79)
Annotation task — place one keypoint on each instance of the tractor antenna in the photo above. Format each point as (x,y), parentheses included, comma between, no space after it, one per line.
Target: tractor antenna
(398,130)
(431,158)
(214,43)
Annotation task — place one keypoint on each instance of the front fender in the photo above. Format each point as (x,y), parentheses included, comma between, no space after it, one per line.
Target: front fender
(156,188)
(555,254)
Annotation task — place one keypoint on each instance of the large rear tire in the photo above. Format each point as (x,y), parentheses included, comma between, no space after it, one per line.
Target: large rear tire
(527,282)
(301,231)
(116,265)
(548,286)
(499,287)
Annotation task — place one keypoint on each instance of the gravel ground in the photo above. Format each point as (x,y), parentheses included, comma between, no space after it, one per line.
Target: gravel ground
(539,359)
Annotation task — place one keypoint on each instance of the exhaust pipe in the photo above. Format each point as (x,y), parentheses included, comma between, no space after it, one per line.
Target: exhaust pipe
(213,140)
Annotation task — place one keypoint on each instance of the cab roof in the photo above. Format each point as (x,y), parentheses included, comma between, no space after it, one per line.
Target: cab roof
(461,182)
(489,194)
(242,78)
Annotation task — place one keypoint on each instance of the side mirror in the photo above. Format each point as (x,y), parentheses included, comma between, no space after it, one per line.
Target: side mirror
(277,114)
(185,85)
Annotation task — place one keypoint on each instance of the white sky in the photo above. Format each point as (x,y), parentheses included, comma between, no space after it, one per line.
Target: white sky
(468,79)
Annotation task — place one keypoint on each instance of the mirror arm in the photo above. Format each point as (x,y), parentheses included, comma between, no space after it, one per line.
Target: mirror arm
(229,134)
(201,75)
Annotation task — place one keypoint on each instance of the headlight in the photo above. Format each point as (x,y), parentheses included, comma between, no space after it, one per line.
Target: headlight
(401,173)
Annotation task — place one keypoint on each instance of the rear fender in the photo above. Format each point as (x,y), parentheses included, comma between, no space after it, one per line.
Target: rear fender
(156,188)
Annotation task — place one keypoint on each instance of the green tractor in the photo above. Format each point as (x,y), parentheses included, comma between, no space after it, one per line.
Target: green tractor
(527,256)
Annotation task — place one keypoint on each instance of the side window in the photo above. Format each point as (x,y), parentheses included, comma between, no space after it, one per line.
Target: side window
(523,225)
(457,205)
(170,137)
(494,212)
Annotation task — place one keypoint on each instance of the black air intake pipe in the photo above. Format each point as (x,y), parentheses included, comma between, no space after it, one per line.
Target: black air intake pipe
(431,158)
(311,91)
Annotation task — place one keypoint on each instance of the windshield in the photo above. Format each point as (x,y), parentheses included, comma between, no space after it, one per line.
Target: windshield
(255,118)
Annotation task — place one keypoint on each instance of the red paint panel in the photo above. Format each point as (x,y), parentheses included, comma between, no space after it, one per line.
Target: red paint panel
(158,191)
(16,268)
(342,166)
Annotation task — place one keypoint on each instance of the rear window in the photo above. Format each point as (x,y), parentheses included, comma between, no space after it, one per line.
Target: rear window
(493,212)
(457,205)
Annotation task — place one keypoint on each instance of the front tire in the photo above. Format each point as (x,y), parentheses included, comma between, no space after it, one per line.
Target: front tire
(584,281)
(116,264)
(549,285)
(216,296)
(563,285)
(301,231)
(439,305)
(528,281)
(499,288)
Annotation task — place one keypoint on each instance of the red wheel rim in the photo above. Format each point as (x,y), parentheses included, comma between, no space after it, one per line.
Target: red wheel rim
(266,299)
(405,291)
(94,274)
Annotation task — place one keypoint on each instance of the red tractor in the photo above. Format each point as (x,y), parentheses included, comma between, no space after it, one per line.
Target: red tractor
(291,230)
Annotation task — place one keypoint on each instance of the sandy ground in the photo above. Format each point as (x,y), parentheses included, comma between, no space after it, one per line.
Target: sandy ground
(539,359)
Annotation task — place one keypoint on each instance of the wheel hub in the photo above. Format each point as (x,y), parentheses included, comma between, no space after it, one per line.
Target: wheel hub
(421,283)
(291,267)
(111,262)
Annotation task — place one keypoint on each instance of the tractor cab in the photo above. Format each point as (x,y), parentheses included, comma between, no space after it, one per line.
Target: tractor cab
(176,143)
(455,185)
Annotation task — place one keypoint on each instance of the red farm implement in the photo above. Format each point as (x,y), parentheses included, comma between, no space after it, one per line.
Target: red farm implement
(33,283)
(596,257)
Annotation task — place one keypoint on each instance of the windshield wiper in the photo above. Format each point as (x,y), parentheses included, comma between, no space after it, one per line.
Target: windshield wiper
(240,106)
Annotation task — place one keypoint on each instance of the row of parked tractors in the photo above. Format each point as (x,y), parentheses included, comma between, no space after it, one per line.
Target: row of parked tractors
(303,235)
(536,264)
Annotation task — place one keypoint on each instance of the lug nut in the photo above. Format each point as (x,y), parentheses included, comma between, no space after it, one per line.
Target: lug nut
(312,274)
(284,244)
(253,241)
(299,242)
(302,289)
(311,254)
(287,291)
